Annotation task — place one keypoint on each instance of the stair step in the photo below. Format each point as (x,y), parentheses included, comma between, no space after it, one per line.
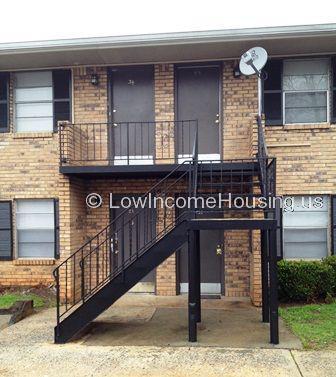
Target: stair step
(117,287)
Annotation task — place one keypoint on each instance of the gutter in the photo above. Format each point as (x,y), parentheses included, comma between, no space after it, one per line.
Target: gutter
(165,39)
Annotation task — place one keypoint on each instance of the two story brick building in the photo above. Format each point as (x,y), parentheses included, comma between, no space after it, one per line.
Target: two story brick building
(117,115)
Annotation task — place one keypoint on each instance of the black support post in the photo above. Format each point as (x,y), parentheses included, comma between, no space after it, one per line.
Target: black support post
(192,289)
(274,316)
(264,276)
(198,275)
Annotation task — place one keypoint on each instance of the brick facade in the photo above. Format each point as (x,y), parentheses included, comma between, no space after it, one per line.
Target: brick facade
(306,156)
(78,223)
(30,169)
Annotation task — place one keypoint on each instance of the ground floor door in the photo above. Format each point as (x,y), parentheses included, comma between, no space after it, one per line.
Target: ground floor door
(212,263)
(198,97)
(132,115)
(133,233)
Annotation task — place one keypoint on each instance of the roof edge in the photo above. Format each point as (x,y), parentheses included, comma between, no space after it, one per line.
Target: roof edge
(142,40)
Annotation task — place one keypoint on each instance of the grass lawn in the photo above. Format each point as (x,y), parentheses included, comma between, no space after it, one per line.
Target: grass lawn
(8,299)
(314,324)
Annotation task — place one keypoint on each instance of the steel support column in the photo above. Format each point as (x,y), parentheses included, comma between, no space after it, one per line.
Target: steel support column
(192,289)
(273,302)
(198,275)
(264,276)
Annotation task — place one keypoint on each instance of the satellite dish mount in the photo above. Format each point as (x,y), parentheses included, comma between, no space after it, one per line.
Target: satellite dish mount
(252,62)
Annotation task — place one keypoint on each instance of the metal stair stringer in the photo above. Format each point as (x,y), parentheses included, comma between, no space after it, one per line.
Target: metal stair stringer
(123,282)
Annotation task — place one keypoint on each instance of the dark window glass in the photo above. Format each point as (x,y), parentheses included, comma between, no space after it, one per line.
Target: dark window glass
(272,108)
(3,116)
(61,92)
(62,111)
(273,93)
(3,86)
(273,69)
(4,101)
(61,80)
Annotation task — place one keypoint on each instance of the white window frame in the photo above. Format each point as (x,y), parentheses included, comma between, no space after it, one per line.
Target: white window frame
(307,91)
(32,102)
(17,256)
(328,242)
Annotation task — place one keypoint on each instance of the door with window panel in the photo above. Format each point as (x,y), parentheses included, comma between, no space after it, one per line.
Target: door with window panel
(306,91)
(305,224)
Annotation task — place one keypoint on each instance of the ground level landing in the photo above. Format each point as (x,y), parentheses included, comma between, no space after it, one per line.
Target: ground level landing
(147,320)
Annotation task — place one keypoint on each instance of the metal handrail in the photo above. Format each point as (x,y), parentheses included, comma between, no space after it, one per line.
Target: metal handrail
(100,245)
(123,143)
(93,265)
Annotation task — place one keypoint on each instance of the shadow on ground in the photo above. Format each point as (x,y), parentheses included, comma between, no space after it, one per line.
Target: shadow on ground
(224,324)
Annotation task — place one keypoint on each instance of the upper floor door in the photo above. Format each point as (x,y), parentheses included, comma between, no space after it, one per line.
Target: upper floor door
(132,114)
(198,97)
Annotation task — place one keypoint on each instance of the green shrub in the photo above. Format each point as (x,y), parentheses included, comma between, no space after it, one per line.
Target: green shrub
(331,261)
(307,280)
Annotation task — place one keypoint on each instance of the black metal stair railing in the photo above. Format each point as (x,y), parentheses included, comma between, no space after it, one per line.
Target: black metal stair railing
(267,164)
(125,143)
(136,229)
(124,240)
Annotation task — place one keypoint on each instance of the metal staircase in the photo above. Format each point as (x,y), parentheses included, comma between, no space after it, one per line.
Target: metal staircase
(133,244)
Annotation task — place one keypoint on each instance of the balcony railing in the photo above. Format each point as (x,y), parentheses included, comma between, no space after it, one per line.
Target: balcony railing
(126,143)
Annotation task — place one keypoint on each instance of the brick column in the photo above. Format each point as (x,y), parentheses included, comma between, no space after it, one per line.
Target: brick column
(240,100)
(90,104)
(164,137)
(164,113)
(72,221)
(236,264)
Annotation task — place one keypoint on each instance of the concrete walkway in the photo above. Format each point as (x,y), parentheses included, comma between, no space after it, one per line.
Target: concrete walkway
(163,321)
(27,349)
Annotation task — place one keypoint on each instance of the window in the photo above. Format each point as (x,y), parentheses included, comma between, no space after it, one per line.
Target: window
(305,223)
(305,86)
(41,100)
(5,230)
(33,101)
(36,228)
(4,79)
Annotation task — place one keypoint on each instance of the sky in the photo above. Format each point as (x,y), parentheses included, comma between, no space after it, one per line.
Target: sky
(44,20)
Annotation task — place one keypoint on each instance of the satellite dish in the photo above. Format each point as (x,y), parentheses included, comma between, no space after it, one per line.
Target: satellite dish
(253,61)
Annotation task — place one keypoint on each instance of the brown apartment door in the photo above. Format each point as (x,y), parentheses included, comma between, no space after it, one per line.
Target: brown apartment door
(212,261)
(132,114)
(133,234)
(198,97)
